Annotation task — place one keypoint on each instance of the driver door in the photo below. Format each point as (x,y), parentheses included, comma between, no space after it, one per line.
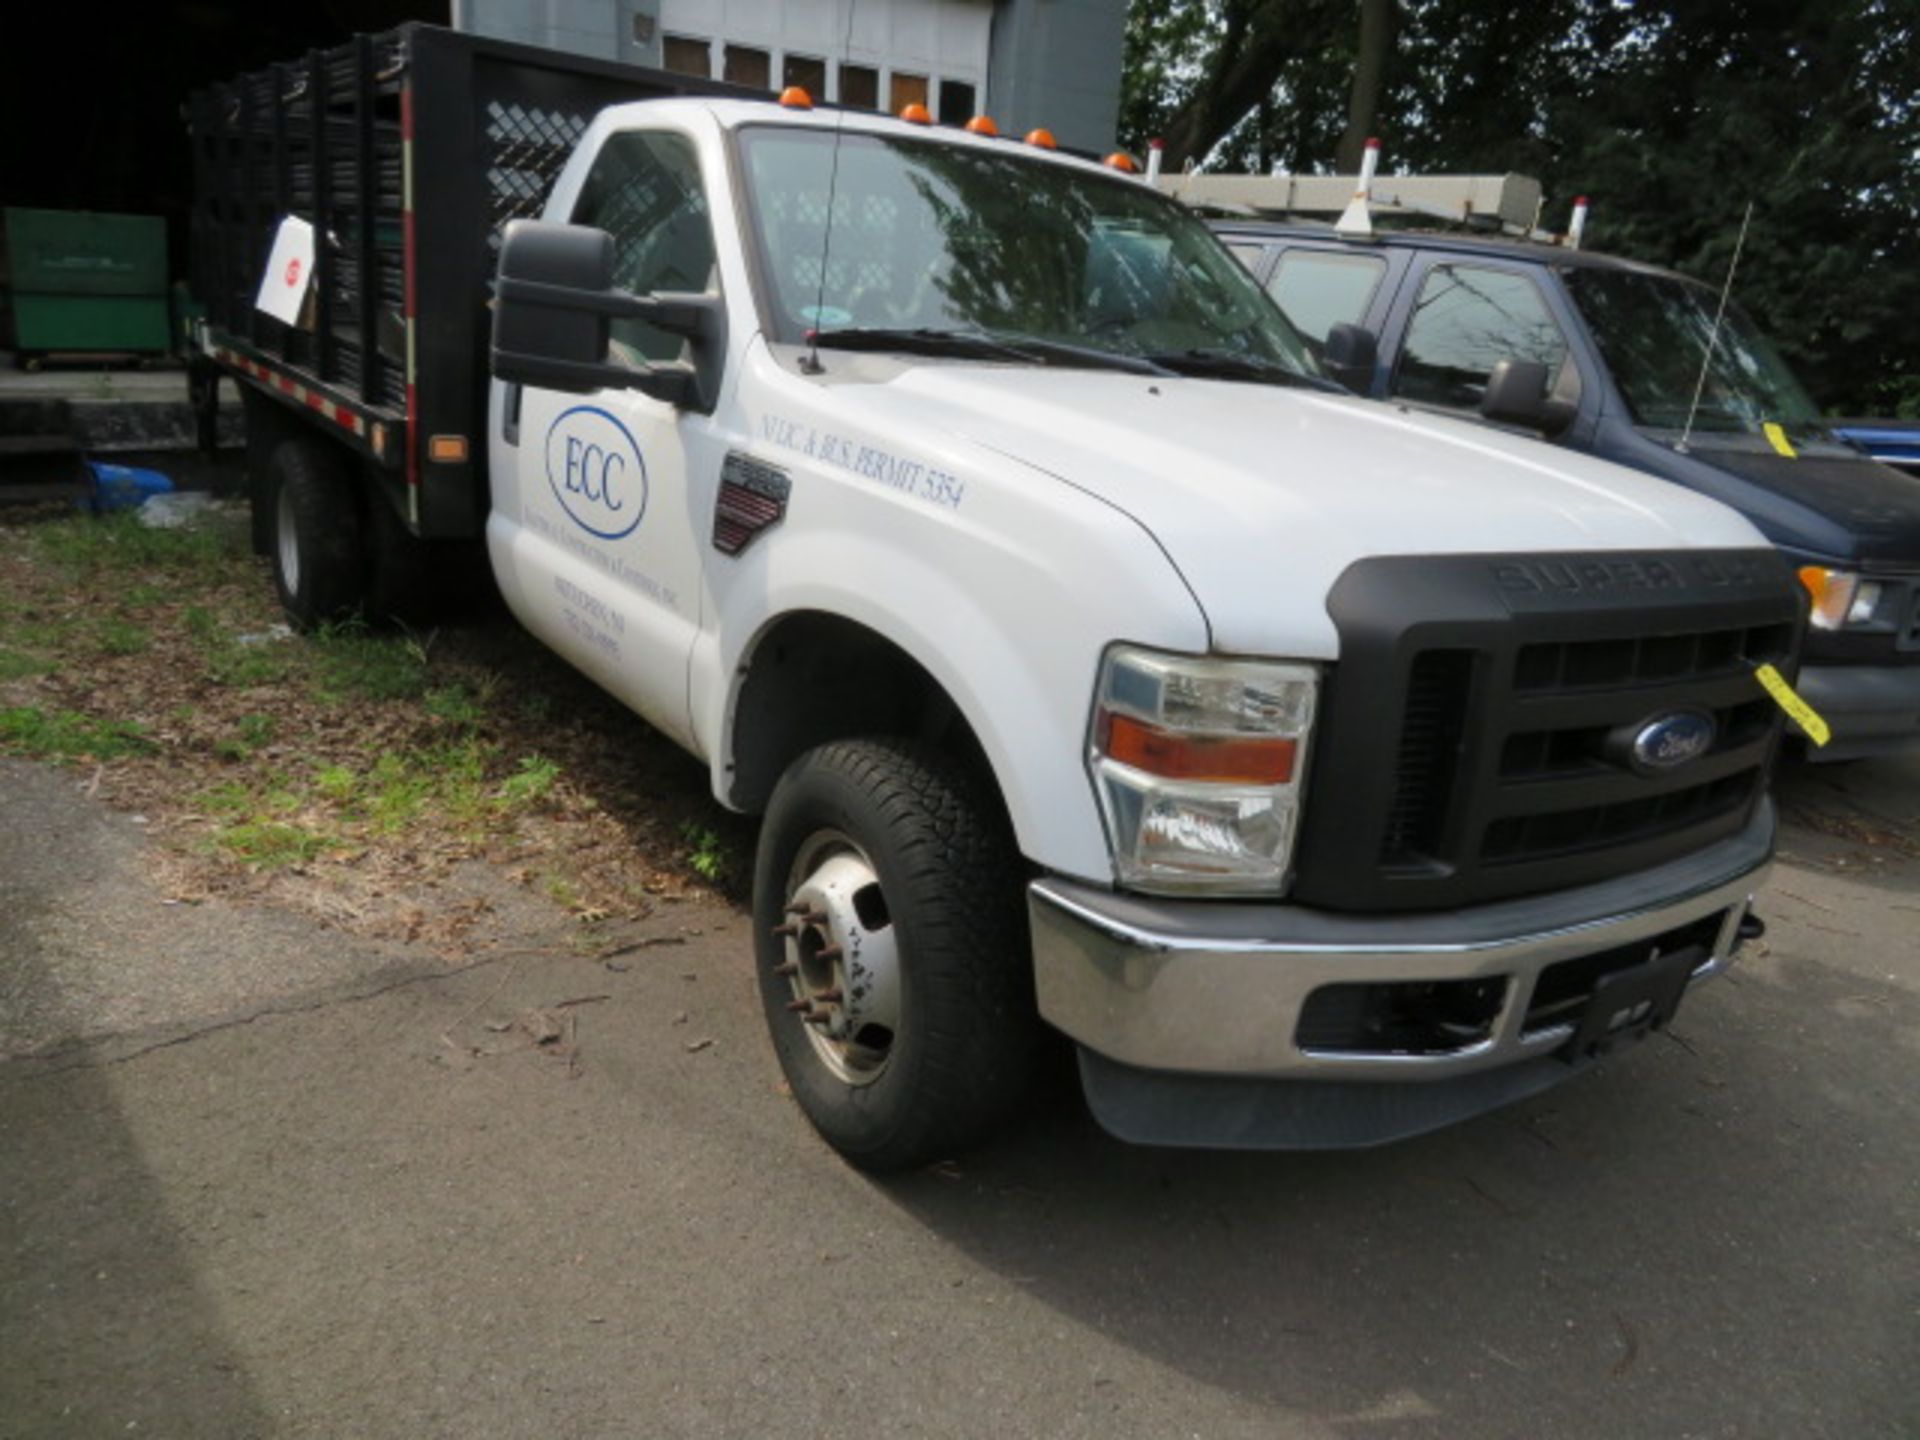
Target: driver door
(603,559)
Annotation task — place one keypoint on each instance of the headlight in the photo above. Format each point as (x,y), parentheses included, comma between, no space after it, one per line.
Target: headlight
(1199,764)
(1840,598)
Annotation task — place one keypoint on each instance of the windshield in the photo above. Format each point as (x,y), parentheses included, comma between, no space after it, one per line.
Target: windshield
(1653,331)
(935,237)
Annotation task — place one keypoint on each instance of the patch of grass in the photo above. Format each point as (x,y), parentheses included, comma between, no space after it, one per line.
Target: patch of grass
(115,636)
(251,733)
(531,783)
(271,844)
(66,734)
(247,667)
(353,663)
(456,705)
(86,546)
(337,783)
(17,664)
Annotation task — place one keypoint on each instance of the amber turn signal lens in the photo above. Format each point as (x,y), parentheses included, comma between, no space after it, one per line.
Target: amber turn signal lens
(1222,759)
(447,449)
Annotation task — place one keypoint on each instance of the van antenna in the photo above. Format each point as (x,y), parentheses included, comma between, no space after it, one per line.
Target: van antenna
(811,365)
(1713,335)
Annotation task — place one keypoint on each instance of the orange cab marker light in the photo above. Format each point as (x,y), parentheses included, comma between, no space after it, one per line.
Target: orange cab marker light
(1124,162)
(1042,138)
(1193,757)
(794,97)
(983,125)
(1816,578)
(447,449)
(916,114)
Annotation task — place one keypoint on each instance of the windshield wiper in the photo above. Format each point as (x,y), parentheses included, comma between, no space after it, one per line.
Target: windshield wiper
(1234,364)
(983,345)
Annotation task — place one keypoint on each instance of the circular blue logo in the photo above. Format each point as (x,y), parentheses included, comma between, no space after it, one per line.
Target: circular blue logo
(596,472)
(1667,742)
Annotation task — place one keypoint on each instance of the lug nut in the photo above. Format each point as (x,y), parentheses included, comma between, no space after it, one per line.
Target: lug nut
(790,967)
(803,1003)
(830,997)
(787,929)
(828,952)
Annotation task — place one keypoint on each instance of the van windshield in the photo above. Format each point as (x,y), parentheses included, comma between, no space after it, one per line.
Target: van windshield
(1653,331)
(934,240)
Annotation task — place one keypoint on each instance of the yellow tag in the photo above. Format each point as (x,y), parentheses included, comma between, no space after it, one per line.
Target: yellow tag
(1788,699)
(1778,439)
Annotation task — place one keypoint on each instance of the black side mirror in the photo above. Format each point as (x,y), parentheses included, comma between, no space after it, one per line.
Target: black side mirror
(554,300)
(1349,356)
(1516,394)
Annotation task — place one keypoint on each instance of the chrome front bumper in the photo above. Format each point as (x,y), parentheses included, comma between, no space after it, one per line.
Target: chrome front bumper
(1208,989)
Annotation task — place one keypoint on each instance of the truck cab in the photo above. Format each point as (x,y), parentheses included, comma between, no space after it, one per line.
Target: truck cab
(1612,352)
(923,484)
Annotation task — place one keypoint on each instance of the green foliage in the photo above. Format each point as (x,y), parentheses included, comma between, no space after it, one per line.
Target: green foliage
(271,844)
(1671,116)
(67,735)
(707,852)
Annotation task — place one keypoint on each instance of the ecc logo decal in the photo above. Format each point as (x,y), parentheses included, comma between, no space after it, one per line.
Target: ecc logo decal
(596,472)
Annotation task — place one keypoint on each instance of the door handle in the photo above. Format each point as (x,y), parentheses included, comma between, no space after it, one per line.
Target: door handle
(510,414)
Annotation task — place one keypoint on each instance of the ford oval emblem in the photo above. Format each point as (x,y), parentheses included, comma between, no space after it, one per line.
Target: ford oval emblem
(1667,742)
(596,472)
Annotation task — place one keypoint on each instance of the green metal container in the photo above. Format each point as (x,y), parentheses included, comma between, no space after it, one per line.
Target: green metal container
(87,283)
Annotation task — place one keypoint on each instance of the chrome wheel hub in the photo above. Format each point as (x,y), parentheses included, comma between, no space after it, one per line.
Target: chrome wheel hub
(840,958)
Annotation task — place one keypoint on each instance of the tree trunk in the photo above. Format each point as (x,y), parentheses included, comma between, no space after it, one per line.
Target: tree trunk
(1378,21)
(1261,36)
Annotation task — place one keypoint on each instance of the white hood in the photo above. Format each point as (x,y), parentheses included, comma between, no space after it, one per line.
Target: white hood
(1262,496)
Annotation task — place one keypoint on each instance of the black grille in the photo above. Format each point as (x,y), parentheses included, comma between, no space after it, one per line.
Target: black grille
(1424,765)
(1509,710)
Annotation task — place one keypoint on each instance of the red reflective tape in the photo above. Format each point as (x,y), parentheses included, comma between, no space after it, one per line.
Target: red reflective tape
(316,400)
(286,384)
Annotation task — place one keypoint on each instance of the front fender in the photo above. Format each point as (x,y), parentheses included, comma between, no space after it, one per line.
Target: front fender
(1009,608)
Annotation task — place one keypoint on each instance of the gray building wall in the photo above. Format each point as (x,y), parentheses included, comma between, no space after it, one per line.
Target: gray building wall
(624,30)
(1057,63)
(1053,63)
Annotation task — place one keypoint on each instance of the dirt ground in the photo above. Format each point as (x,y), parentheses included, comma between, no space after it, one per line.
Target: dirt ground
(395,1068)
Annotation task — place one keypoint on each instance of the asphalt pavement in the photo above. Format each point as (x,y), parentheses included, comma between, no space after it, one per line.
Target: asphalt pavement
(260,1178)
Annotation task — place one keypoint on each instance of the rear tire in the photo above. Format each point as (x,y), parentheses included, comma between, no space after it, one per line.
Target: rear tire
(910,951)
(318,551)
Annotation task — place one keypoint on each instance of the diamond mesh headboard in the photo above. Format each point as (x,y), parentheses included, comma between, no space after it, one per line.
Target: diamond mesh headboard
(526,146)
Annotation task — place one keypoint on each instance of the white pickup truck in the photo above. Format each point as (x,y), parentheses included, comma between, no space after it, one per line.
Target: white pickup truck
(1325,772)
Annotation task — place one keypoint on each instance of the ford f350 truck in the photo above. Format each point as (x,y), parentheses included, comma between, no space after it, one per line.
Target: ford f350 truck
(1324,773)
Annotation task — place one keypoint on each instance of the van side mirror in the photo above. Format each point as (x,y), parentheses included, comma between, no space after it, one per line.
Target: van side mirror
(553,308)
(1349,355)
(1516,394)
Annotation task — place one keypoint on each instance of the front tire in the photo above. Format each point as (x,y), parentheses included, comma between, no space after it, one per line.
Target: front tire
(318,550)
(892,951)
